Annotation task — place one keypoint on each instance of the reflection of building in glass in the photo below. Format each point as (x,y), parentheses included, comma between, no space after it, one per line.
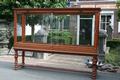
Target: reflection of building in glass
(60,29)
(108,14)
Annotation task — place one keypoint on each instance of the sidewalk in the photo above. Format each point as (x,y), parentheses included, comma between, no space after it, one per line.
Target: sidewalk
(76,63)
(7,71)
(69,62)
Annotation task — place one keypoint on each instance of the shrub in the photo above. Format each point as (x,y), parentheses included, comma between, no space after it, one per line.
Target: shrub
(60,37)
(113,43)
(113,57)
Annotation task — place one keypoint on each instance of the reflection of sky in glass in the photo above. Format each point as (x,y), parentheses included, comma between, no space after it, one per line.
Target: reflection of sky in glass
(37,27)
(28,29)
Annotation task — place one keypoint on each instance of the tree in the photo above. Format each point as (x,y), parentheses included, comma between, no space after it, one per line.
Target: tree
(118,7)
(6,8)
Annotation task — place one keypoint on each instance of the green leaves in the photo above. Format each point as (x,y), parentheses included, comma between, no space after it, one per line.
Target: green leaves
(6,6)
(113,57)
(118,3)
(118,6)
(59,4)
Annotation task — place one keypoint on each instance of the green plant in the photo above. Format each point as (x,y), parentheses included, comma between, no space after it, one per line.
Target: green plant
(6,6)
(113,43)
(113,57)
(60,37)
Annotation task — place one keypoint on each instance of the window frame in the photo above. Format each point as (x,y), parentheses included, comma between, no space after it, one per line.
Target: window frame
(70,49)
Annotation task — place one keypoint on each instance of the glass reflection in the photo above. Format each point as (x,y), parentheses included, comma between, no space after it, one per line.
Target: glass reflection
(59,29)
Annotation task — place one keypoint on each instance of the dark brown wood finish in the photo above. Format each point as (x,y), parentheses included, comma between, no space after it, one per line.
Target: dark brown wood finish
(57,10)
(52,48)
(94,11)
(16,59)
(97,18)
(23,27)
(15,27)
(63,49)
(94,69)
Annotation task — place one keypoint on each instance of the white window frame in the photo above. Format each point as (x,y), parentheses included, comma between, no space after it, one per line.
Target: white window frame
(78,29)
(93,29)
(112,17)
(119,27)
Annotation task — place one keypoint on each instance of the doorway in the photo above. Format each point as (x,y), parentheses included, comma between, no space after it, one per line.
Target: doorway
(86,30)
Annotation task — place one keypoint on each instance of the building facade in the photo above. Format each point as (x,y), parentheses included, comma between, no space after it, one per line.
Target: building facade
(108,20)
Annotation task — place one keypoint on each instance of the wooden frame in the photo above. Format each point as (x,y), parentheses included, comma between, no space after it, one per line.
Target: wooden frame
(61,49)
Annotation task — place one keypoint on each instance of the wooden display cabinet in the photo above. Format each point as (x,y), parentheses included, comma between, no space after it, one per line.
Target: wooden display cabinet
(72,31)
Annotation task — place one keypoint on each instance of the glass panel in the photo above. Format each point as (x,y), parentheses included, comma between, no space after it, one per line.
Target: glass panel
(103,25)
(19,28)
(108,18)
(102,18)
(37,28)
(105,21)
(63,30)
(59,29)
(86,26)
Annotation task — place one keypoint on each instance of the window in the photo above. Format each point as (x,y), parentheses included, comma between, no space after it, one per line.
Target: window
(107,25)
(105,21)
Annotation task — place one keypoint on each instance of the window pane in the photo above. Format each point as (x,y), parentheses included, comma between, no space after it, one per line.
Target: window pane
(102,18)
(103,25)
(108,18)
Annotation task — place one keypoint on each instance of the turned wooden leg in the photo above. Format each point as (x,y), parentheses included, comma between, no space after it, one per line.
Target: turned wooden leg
(16,59)
(94,69)
(23,58)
